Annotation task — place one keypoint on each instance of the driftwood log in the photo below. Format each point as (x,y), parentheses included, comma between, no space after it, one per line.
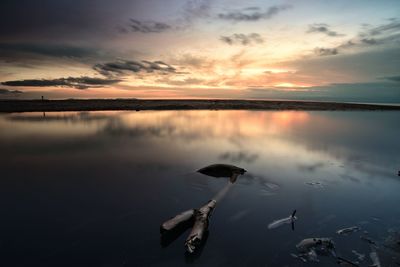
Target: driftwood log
(199,218)
(179,219)
(200,226)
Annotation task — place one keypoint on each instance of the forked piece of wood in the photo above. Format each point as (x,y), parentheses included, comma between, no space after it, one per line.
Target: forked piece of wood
(200,226)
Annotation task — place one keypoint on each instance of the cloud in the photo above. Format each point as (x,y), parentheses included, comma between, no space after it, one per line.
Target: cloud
(392,78)
(374,92)
(73,82)
(321,51)
(148,26)
(242,39)
(253,14)
(188,13)
(52,50)
(110,69)
(196,9)
(376,35)
(9,92)
(369,41)
(322,28)
(386,34)
(186,81)
(392,26)
(62,20)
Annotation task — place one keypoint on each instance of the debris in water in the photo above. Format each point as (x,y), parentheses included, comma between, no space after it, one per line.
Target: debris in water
(376,219)
(321,244)
(359,256)
(223,170)
(368,240)
(348,230)
(311,255)
(288,220)
(375,258)
(268,188)
(177,220)
(315,184)
(174,226)
(344,262)
(200,226)
(309,248)
(299,256)
(392,241)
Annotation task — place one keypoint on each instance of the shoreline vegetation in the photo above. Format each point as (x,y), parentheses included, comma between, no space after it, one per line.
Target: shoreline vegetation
(175,104)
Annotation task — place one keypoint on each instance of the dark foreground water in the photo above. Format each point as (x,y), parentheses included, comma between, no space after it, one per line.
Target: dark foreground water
(92,188)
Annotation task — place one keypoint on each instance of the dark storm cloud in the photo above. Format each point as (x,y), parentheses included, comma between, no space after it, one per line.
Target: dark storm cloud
(322,28)
(253,14)
(9,92)
(64,19)
(321,51)
(242,39)
(83,82)
(52,50)
(148,26)
(190,11)
(110,69)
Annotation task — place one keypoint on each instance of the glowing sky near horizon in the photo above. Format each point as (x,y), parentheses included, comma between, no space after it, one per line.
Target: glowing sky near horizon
(348,50)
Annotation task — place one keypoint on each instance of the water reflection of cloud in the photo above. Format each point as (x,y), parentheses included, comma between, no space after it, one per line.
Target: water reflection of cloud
(270,140)
(131,165)
(311,167)
(240,156)
(238,216)
(350,178)
(267,185)
(70,117)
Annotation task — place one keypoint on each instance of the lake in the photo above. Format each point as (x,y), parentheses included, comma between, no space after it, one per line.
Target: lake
(92,188)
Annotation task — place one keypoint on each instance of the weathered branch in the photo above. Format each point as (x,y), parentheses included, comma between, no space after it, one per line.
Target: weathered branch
(200,226)
(177,220)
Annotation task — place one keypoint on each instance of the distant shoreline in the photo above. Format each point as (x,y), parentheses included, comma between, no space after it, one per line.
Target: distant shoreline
(212,104)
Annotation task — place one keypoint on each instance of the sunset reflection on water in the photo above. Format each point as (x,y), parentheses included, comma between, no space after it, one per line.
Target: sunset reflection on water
(86,186)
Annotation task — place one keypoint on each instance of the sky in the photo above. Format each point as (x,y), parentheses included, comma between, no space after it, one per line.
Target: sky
(343,50)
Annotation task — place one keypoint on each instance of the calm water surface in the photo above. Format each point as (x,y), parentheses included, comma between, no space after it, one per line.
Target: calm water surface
(92,188)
